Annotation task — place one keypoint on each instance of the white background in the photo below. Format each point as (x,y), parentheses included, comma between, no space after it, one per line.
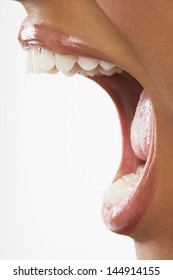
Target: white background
(60,147)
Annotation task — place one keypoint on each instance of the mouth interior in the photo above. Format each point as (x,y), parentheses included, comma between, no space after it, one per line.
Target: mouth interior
(126,92)
(133,105)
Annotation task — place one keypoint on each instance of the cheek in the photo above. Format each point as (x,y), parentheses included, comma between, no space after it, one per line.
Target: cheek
(126,13)
(139,20)
(146,27)
(135,21)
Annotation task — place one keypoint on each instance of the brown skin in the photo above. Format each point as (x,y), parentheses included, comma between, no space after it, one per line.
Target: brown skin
(138,36)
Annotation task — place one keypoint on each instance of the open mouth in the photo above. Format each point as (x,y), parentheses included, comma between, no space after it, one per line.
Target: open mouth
(127,198)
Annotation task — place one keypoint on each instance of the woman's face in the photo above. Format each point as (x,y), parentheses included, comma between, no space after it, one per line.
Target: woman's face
(137,36)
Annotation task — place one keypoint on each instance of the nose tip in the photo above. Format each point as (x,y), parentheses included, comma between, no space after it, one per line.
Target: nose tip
(72,16)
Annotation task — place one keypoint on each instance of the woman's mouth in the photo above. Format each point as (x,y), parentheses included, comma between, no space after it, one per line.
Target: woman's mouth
(126,200)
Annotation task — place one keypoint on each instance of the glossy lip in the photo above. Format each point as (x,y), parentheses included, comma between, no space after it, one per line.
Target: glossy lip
(123,218)
(54,40)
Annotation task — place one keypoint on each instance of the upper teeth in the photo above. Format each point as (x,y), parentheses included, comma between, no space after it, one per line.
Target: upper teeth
(119,190)
(41,60)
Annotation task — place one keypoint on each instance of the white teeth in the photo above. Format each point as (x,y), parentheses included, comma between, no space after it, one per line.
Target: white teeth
(33,61)
(120,183)
(53,71)
(41,60)
(120,190)
(47,60)
(92,73)
(108,72)
(36,60)
(119,70)
(139,170)
(131,179)
(73,71)
(115,194)
(106,65)
(65,62)
(87,63)
(111,198)
(123,193)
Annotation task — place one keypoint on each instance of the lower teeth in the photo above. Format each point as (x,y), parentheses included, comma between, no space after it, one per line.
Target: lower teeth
(40,60)
(120,190)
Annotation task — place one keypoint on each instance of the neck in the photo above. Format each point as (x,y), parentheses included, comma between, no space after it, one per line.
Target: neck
(161,249)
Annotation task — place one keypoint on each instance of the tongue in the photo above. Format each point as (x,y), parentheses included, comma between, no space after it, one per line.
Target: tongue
(141,129)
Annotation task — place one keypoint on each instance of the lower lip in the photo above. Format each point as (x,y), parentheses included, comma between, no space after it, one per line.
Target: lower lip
(124,217)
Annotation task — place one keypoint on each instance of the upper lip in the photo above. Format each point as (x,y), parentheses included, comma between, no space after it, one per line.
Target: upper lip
(60,42)
(55,40)
(44,36)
